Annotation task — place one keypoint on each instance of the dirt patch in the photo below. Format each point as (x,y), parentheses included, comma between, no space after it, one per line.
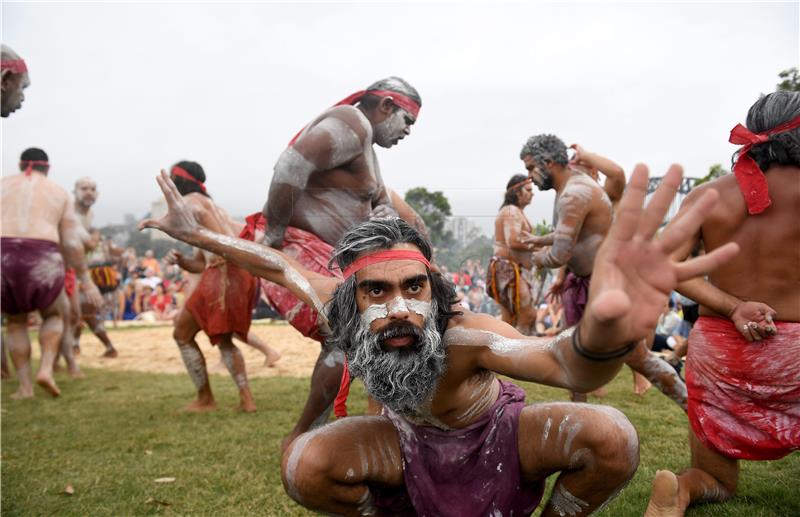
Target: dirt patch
(152,349)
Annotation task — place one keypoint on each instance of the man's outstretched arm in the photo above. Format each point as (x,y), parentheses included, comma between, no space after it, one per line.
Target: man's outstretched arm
(632,280)
(179,222)
(614,184)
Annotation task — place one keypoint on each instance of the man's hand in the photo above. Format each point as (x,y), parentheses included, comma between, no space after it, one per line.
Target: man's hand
(382,212)
(753,320)
(174,257)
(556,288)
(179,220)
(633,272)
(92,294)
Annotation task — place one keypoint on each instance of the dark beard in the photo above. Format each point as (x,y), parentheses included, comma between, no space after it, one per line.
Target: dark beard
(402,379)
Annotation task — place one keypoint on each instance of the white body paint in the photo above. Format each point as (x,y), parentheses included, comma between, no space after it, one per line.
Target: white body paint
(195,365)
(293,169)
(397,305)
(566,504)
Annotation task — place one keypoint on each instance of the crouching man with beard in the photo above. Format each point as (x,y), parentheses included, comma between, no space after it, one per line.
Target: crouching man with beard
(453,439)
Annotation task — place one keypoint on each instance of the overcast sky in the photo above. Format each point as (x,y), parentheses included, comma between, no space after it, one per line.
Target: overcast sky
(120,91)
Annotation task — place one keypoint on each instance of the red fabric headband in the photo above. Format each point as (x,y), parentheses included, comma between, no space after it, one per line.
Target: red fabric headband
(384,256)
(520,184)
(181,173)
(17,66)
(751,179)
(399,99)
(30,164)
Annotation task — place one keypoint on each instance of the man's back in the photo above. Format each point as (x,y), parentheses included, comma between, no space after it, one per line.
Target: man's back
(33,207)
(767,269)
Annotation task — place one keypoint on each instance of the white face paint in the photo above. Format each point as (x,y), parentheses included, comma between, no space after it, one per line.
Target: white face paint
(391,130)
(397,305)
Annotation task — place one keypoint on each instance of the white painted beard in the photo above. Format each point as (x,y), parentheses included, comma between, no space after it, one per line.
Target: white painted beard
(390,131)
(404,379)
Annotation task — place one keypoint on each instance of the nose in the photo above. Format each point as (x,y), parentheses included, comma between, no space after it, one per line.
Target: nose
(407,130)
(398,310)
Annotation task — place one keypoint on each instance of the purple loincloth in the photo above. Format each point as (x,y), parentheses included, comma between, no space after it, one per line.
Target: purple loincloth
(32,274)
(574,297)
(470,471)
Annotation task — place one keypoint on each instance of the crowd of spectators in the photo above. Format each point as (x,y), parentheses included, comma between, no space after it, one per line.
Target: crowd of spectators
(150,290)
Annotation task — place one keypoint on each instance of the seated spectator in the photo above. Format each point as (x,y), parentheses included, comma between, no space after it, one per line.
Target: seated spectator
(150,279)
(549,319)
(163,304)
(149,261)
(668,329)
(128,302)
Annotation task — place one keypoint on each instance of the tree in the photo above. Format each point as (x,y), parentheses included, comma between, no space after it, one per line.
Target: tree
(790,82)
(434,208)
(715,171)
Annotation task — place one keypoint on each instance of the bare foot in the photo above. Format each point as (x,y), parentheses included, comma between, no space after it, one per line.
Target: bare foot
(21,394)
(48,384)
(196,406)
(640,383)
(246,402)
(110,353)
(665,499)
(77,374)
(273,356)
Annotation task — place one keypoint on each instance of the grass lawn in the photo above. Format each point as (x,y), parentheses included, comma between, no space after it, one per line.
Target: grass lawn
(113,434)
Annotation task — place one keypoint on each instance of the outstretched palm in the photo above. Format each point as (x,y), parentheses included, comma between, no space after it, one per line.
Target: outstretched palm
(179,219)
(633,273)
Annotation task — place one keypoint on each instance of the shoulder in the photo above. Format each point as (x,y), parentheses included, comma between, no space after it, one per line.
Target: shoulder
(344,117)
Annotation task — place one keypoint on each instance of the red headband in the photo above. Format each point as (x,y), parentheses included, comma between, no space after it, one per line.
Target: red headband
(17,66)
(399,99)
(520,184)
(384,256)
(181,173)
(30,164)
(749,176)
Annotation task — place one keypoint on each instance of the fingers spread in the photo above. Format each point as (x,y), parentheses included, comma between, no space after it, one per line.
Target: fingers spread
(660,202)
(684,227)
(706,263)
(630,206)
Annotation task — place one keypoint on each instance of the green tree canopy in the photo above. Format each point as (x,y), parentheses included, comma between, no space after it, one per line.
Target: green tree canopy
(790,80)
(434,208)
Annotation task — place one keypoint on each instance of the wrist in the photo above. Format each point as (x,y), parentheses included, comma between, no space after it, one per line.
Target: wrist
(732,309)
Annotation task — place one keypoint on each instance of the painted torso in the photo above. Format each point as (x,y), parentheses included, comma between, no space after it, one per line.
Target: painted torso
(584,189)
(32,207)
(509,223)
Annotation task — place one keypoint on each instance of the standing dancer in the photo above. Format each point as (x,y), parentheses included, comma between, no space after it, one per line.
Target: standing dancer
(509,279)
(583,217)
(38,225)
(222,302)
(743,370)
(327,180)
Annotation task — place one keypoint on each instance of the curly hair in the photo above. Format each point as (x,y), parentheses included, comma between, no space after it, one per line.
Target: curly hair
(545,148)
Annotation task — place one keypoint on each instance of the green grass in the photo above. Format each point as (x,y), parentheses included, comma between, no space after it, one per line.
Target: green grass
(111,435)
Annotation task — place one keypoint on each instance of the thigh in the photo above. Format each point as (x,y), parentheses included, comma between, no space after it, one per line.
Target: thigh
(560,436)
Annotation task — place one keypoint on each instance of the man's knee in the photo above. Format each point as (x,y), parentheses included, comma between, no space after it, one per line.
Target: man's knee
(614,444)
(306,467)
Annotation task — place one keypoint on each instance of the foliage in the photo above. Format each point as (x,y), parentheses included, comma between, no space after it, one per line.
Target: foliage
(479,249)
(434,208)
(790,80)
(542,228)
(113,434)
(715,171)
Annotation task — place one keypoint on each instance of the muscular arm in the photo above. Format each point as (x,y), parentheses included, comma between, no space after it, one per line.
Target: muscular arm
(332,142)
(615,175)
(572,209)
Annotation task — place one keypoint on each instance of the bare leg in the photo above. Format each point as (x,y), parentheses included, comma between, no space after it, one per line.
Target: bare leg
(595,449)
(506,315)
(50,341)
(95,323)
(712,478)
(4,371)
(331,468)
(69,348)
(659,372)
(526,316)
(271,356)
(20,347)
(186,328)
(325,382)
(640,383)
(234,361)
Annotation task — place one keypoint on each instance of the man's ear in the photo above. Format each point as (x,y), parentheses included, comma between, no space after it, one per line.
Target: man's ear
(6,77)
(386,105)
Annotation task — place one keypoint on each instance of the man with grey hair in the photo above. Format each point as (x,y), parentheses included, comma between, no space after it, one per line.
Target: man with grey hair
(743,368)
(324,182)
(14,80)
(453,439)
(582,219)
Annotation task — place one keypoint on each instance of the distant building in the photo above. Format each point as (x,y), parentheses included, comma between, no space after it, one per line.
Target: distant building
(462,229)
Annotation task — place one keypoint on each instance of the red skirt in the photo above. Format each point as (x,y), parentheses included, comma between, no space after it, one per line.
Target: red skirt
(744,398)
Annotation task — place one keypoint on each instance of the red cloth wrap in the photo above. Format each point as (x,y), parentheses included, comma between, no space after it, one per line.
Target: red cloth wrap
(16,66)
(223,301)
(310,251)
(750,178)
(399,99)
(181,173)
(70,281)
(744,398)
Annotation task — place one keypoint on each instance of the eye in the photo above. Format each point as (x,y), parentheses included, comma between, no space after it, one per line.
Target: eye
(375,292)
(415,289)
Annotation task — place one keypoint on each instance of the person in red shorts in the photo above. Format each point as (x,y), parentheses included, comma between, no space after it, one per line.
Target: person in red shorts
(221,304)
(743,364)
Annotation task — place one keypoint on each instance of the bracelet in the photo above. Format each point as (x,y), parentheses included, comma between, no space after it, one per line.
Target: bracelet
(598,356)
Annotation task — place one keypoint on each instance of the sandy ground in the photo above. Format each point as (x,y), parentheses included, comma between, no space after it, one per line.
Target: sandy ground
(152,349)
